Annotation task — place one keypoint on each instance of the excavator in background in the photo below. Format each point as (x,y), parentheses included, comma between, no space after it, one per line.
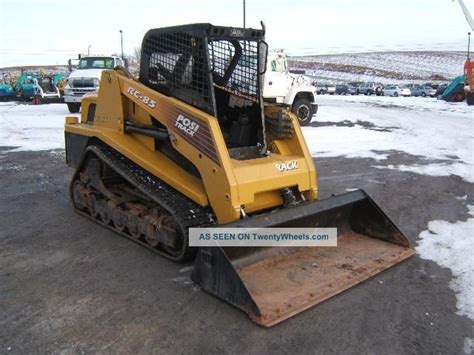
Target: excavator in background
(59,80)
(469,75)
(193,144)
(38,86)
(6,88)
(469,63)
(25,85)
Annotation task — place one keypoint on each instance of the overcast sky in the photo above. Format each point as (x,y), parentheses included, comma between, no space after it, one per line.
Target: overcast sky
(37,32)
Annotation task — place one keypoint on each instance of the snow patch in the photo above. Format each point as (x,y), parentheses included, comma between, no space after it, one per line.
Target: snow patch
(364,127)
(450,245)
(425,66)
(32,127)
(468,347)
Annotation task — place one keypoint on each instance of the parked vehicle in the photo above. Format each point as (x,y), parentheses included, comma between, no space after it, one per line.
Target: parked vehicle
(440,89)
(433,85)
(86,79)
(423,90)
(469,84)
(455,90)
(355,84)
(25,87)
(59,79)
(344,89)
(331,89)
(371,89)
(45,87)
(322,89)
(281,86)
(469,63)
(6,89)
(395,90)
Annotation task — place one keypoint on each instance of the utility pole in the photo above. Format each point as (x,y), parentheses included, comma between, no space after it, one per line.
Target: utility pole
(468,44)
(121,42)
(89,50)
(244,13)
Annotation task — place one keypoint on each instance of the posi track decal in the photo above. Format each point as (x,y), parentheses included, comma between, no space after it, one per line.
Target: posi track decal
(287,166)
(186,125)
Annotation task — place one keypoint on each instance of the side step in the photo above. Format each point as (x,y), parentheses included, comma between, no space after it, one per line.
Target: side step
(273,284)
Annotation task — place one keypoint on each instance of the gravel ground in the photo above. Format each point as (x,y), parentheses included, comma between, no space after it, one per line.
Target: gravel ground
(69,286)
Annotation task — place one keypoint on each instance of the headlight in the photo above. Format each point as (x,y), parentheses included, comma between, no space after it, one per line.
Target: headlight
(96,82)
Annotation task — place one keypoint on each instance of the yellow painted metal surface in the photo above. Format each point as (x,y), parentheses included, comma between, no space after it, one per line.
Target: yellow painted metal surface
(226,184)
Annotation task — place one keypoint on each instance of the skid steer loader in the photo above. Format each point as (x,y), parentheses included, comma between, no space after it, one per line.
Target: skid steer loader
(191,144)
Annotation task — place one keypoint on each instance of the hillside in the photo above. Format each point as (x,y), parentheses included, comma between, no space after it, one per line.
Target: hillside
(385,67)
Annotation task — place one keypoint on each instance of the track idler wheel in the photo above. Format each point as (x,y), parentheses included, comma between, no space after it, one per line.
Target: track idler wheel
(172,241)
(105,212)
(92,205)
(79,195)
(84,177)
(134,224)
(152,230)
(119,217)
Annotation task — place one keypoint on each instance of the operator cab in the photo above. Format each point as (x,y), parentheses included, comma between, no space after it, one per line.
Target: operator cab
(216,69)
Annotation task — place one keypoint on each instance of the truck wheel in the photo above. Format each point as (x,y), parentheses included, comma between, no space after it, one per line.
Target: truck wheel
(302,108)
(470,99)
(458,97)
(74,107)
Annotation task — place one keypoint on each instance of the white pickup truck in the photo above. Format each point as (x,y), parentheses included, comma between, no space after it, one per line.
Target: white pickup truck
(281,86)
(86,79)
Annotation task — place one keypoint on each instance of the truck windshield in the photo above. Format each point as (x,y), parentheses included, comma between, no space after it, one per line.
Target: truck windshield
(96,63)
(278,64)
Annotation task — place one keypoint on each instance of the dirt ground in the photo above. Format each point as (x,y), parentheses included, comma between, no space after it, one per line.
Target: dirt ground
(70,286)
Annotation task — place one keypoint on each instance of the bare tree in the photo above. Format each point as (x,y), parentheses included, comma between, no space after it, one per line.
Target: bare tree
(136,54)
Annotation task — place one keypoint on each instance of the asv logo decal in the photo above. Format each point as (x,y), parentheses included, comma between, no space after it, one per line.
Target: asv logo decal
(236,32)
(145,99)
(186,125)
(290,165)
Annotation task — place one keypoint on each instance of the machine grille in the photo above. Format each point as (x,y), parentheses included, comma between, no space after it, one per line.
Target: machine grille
(81,83)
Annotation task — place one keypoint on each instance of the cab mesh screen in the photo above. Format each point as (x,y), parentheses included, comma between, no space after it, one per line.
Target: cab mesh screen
(234,64)
(178,67)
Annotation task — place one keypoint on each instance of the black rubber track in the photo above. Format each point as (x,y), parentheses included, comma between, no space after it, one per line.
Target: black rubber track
(186,212)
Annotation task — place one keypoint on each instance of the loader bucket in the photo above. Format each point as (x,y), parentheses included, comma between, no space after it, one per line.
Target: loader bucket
(272,284)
